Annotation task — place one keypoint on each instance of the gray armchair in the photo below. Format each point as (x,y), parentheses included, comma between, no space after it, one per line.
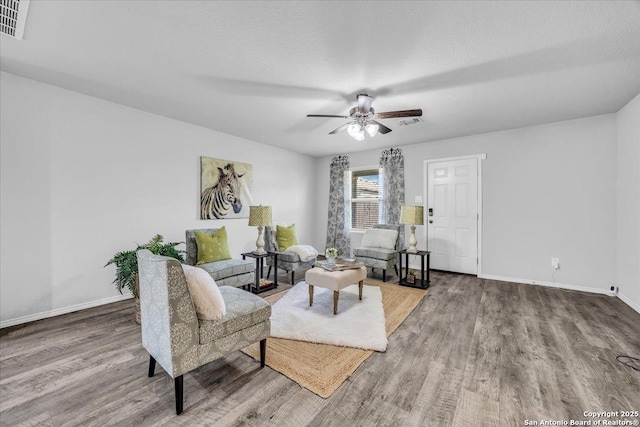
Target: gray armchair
(228,272)
(286,261)
(377,257)
(175,337)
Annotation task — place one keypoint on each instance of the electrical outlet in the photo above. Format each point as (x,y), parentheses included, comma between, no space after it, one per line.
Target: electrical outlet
(613,290)
(555,263)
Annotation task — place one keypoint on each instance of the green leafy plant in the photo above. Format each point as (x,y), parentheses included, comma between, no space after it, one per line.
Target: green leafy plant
(332,252)
(411,276)
(127,263)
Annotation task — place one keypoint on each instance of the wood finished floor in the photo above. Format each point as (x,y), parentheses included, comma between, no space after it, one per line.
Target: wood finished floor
(474,353)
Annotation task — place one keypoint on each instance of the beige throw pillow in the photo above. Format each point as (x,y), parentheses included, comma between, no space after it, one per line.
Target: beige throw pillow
(380,238)
(205,294)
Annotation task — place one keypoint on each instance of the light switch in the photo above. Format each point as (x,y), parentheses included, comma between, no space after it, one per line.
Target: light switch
(417,199)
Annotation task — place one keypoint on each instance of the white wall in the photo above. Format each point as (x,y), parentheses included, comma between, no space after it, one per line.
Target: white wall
(82,178)
(548,191)
(628,199)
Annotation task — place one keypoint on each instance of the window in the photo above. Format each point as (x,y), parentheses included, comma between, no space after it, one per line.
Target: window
(366,198)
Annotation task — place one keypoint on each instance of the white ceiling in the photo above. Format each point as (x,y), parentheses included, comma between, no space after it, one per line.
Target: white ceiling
(255,69)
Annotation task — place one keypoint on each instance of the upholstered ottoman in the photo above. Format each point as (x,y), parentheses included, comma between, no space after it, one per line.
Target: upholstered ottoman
(334,280)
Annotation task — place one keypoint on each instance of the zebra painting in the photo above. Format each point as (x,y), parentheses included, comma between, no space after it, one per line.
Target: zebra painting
(225,196)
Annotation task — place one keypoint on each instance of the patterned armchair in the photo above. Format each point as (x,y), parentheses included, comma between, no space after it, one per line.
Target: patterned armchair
(228,272)
(288,261)
(380,257)
(176,338)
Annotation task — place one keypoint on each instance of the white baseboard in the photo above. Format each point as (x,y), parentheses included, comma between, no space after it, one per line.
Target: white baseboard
(63,310)
(548,284)
(625,299)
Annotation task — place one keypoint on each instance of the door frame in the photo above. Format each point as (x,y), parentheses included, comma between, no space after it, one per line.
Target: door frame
(425,173)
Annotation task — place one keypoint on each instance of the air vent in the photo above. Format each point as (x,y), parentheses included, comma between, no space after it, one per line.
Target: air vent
(13,14)
(411,121)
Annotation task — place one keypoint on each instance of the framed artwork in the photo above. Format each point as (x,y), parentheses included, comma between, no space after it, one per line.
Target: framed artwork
(225,189)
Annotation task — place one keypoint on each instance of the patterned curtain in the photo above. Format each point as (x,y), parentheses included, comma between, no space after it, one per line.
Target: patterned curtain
(392,165)
(337,225)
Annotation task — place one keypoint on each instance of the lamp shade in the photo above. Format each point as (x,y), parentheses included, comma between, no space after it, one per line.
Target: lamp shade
(353,129)
(259,216)
(372,129)
(413,215)
(356,131)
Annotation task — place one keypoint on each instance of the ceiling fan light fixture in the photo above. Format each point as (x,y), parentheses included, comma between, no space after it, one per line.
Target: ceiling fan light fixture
(356,131)
(372,129)
(353,129)
(364,118)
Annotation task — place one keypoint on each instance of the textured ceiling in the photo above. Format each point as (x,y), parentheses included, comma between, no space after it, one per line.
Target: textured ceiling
(255,69)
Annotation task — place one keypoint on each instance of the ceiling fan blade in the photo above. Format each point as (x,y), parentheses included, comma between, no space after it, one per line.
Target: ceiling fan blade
(381,128)
(340,129)
(327,115)
(364,103)
(397,114)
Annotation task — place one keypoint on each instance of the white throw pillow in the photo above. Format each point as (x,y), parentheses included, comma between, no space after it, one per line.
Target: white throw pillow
(305,252)
(379,238)
(205,294)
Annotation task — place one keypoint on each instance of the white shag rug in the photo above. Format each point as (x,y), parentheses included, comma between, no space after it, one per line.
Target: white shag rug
(358,324)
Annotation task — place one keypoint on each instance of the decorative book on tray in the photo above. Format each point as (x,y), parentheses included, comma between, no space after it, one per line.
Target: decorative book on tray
(339,265)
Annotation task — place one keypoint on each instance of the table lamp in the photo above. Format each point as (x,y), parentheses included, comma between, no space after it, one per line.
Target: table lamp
(259,216)
(412,215)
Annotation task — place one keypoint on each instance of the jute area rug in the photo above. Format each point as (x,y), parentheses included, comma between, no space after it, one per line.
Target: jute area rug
(322,368)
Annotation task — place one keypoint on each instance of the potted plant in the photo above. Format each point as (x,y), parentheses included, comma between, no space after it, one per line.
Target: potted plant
(332,254)
(411,277)
(127,265)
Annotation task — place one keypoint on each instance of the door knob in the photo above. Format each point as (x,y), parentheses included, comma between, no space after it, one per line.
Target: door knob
(430,221)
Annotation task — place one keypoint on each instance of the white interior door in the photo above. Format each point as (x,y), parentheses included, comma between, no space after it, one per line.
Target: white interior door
(452,215)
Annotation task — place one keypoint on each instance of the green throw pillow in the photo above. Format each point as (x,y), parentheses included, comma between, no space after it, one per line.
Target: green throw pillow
(286,236)
(212,247)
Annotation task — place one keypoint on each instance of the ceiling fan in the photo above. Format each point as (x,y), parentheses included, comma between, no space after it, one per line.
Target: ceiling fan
(364,118)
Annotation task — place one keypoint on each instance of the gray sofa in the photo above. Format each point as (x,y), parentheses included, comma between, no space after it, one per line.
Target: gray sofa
(228,272)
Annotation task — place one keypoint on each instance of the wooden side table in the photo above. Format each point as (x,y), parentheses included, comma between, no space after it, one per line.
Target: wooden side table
(256,289)
(422,283)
